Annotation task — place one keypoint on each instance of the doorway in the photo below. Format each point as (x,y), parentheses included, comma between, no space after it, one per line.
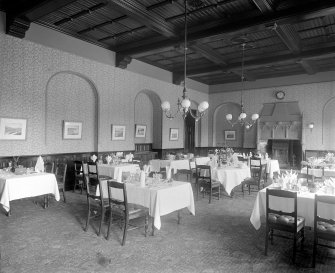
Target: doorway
(189,133)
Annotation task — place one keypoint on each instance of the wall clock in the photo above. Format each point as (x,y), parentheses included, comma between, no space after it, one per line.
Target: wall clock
(280,95)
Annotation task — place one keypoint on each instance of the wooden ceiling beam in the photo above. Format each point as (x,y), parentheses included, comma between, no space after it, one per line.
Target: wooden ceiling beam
(210,54)
(263,5)
(289,36)
(80,14)
(236,26)
(140,13)
(275,60)
(18,18)
(38,9)
(308,67)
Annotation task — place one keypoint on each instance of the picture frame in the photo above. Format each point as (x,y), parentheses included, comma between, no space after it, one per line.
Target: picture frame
(140,130)
(72,129)
(13,129)
(118,132)
(230,135)
(174,134)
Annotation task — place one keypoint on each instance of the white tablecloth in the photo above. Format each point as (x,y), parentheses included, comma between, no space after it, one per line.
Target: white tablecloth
(272,166)
(13,187)
(161,199)
(115,171)
(230,177)
(202,160)
(156,164)
(305,208)
(318,172)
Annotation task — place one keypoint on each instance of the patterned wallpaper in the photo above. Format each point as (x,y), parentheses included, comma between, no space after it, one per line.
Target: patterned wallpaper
(311,98)
(45,84)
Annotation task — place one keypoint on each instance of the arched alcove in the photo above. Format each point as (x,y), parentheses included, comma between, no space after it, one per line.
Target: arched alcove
(328,124)
(220,124)
(71,96)
(148,112)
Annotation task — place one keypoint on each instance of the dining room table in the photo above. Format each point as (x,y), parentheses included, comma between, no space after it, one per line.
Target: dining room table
(319,172)
(305,207)
(173,164)
(17,186)
(115,170)
(230,176)
(272,166)
(161,197)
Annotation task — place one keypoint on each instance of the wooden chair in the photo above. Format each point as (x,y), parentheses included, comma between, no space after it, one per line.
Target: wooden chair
(258,172)
(188,172)
(61,177)
(96,203)
(323,228)
(287,222)
(120,209)
(204,181)
(49,167)
(79,176)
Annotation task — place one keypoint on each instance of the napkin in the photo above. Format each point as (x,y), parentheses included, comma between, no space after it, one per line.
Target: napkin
(168,172)
(330,186)
(39,167)
(146,168)
(129,157)
(119,176)
(108,159)
(94,158)
(142,178)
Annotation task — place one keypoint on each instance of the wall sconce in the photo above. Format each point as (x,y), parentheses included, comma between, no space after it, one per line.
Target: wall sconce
(311,126)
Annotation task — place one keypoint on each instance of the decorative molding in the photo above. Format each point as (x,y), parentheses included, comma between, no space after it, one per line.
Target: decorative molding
(16,27)
(122,61)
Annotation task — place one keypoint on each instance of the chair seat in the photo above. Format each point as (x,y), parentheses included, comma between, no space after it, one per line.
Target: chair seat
(105,177)
(286,220)
(205,183)
(326,228)
(251,181)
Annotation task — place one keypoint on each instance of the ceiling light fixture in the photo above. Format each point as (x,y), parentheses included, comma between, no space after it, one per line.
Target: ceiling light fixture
(242,117)
(184,104)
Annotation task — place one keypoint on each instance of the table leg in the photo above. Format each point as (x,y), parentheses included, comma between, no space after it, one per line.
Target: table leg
(9,213)
(179,217)
(153,227)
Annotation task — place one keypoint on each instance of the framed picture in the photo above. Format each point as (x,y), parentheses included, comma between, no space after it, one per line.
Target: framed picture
(72,130)
(230,135)
(140,130)
(13,129)
(174,134)
(118,132)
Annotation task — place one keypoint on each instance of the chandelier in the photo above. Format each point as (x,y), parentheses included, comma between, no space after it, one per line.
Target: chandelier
(242,117)
(184,103)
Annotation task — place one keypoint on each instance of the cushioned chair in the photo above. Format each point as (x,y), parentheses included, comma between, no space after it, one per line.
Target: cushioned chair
(324,229)
(78,174)
(96,203)
(258,173)
(205,183)
(120,209)
(285,222)
(61,177)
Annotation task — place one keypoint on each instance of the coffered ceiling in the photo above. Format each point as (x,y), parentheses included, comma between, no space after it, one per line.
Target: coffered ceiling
(283,37)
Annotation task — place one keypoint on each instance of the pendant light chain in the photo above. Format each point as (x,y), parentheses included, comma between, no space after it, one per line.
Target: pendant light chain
(185,45)
(242,75)
(184,104)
